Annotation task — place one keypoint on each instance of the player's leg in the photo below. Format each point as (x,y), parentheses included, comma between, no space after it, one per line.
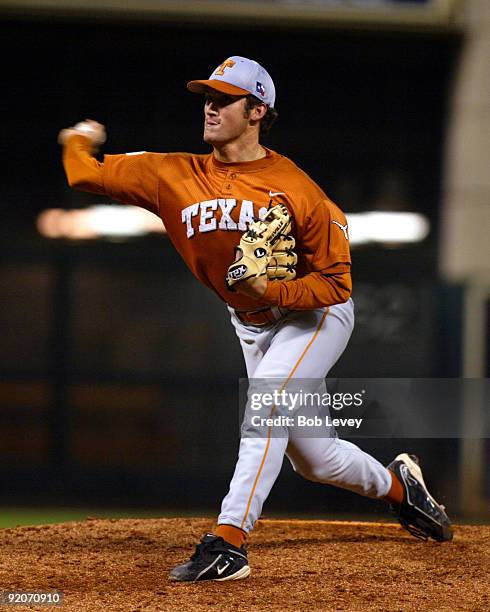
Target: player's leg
(254,342)
(293,343)
(260,456)
(306,346)
(221,555)
(338,462)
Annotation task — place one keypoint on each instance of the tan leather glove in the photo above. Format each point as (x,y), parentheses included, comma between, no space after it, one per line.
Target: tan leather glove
(253,253)
(283,260)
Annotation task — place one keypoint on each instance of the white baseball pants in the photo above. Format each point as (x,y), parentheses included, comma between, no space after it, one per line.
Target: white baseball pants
(303,345)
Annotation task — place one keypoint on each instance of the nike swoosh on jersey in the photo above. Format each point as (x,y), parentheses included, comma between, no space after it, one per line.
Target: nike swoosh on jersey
(275,193)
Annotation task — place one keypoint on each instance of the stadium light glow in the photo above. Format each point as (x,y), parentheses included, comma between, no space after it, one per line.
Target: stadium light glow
(98,222)
(387,227)
(123,222)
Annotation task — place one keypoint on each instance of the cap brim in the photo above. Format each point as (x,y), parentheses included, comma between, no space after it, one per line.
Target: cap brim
(204,86)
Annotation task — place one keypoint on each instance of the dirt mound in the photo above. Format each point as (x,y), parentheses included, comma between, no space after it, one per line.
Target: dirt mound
(106,565)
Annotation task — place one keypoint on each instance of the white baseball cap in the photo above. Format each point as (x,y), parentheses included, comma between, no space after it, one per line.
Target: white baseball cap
(239,76)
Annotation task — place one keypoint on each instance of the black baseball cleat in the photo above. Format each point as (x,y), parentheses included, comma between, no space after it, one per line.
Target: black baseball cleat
(214,559)
(419,513)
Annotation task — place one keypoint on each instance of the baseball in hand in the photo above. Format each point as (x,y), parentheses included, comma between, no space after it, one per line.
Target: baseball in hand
(92,129)
(84,126)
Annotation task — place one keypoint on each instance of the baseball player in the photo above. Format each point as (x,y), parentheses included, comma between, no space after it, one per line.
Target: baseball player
(257,231)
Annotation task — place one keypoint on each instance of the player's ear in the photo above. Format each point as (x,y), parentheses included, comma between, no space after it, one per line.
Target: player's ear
(258,112)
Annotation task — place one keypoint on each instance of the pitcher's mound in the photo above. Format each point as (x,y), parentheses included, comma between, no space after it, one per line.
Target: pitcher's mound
(105,565)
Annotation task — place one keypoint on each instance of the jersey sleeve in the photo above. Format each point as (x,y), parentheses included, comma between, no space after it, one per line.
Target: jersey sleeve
(324,240)
(315,290)
(130,179)
(82,170)
(133,178)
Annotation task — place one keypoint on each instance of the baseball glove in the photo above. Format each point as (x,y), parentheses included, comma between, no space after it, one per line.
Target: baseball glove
(255,250)
(282,263)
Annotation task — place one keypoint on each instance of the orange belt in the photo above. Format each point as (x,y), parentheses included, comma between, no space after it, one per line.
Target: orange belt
(262,316)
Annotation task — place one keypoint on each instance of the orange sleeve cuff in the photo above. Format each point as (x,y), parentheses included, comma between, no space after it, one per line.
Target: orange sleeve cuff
(83,171)
(272,292)
(315,290)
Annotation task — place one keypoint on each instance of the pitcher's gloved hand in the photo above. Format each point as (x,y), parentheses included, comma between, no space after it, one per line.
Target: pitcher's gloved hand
(255,249)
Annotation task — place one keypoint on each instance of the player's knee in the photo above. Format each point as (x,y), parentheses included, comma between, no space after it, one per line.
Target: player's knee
(302,469)
(328,470)
(315,473)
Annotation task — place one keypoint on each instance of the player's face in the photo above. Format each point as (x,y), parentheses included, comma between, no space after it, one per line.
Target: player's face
(225,118)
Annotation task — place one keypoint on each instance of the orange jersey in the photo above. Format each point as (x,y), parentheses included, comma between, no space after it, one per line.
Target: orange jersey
(206,205)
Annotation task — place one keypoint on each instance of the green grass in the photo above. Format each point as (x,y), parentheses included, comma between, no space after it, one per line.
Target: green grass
(15,517)
(18,516)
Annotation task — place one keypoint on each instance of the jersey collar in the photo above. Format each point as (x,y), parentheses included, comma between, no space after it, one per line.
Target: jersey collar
(271,157)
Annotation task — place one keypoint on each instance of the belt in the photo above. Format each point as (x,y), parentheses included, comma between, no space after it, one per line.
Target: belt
(262,316)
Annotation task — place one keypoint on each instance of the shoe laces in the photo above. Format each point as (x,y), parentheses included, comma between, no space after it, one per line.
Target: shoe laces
(215,545)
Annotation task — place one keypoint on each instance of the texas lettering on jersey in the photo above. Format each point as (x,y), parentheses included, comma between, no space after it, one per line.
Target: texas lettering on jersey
(205,212)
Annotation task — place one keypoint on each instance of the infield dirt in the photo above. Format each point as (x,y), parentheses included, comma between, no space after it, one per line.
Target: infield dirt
(109,565)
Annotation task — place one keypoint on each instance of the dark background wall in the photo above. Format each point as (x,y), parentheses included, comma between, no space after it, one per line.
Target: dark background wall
(355,108)
(118,372)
